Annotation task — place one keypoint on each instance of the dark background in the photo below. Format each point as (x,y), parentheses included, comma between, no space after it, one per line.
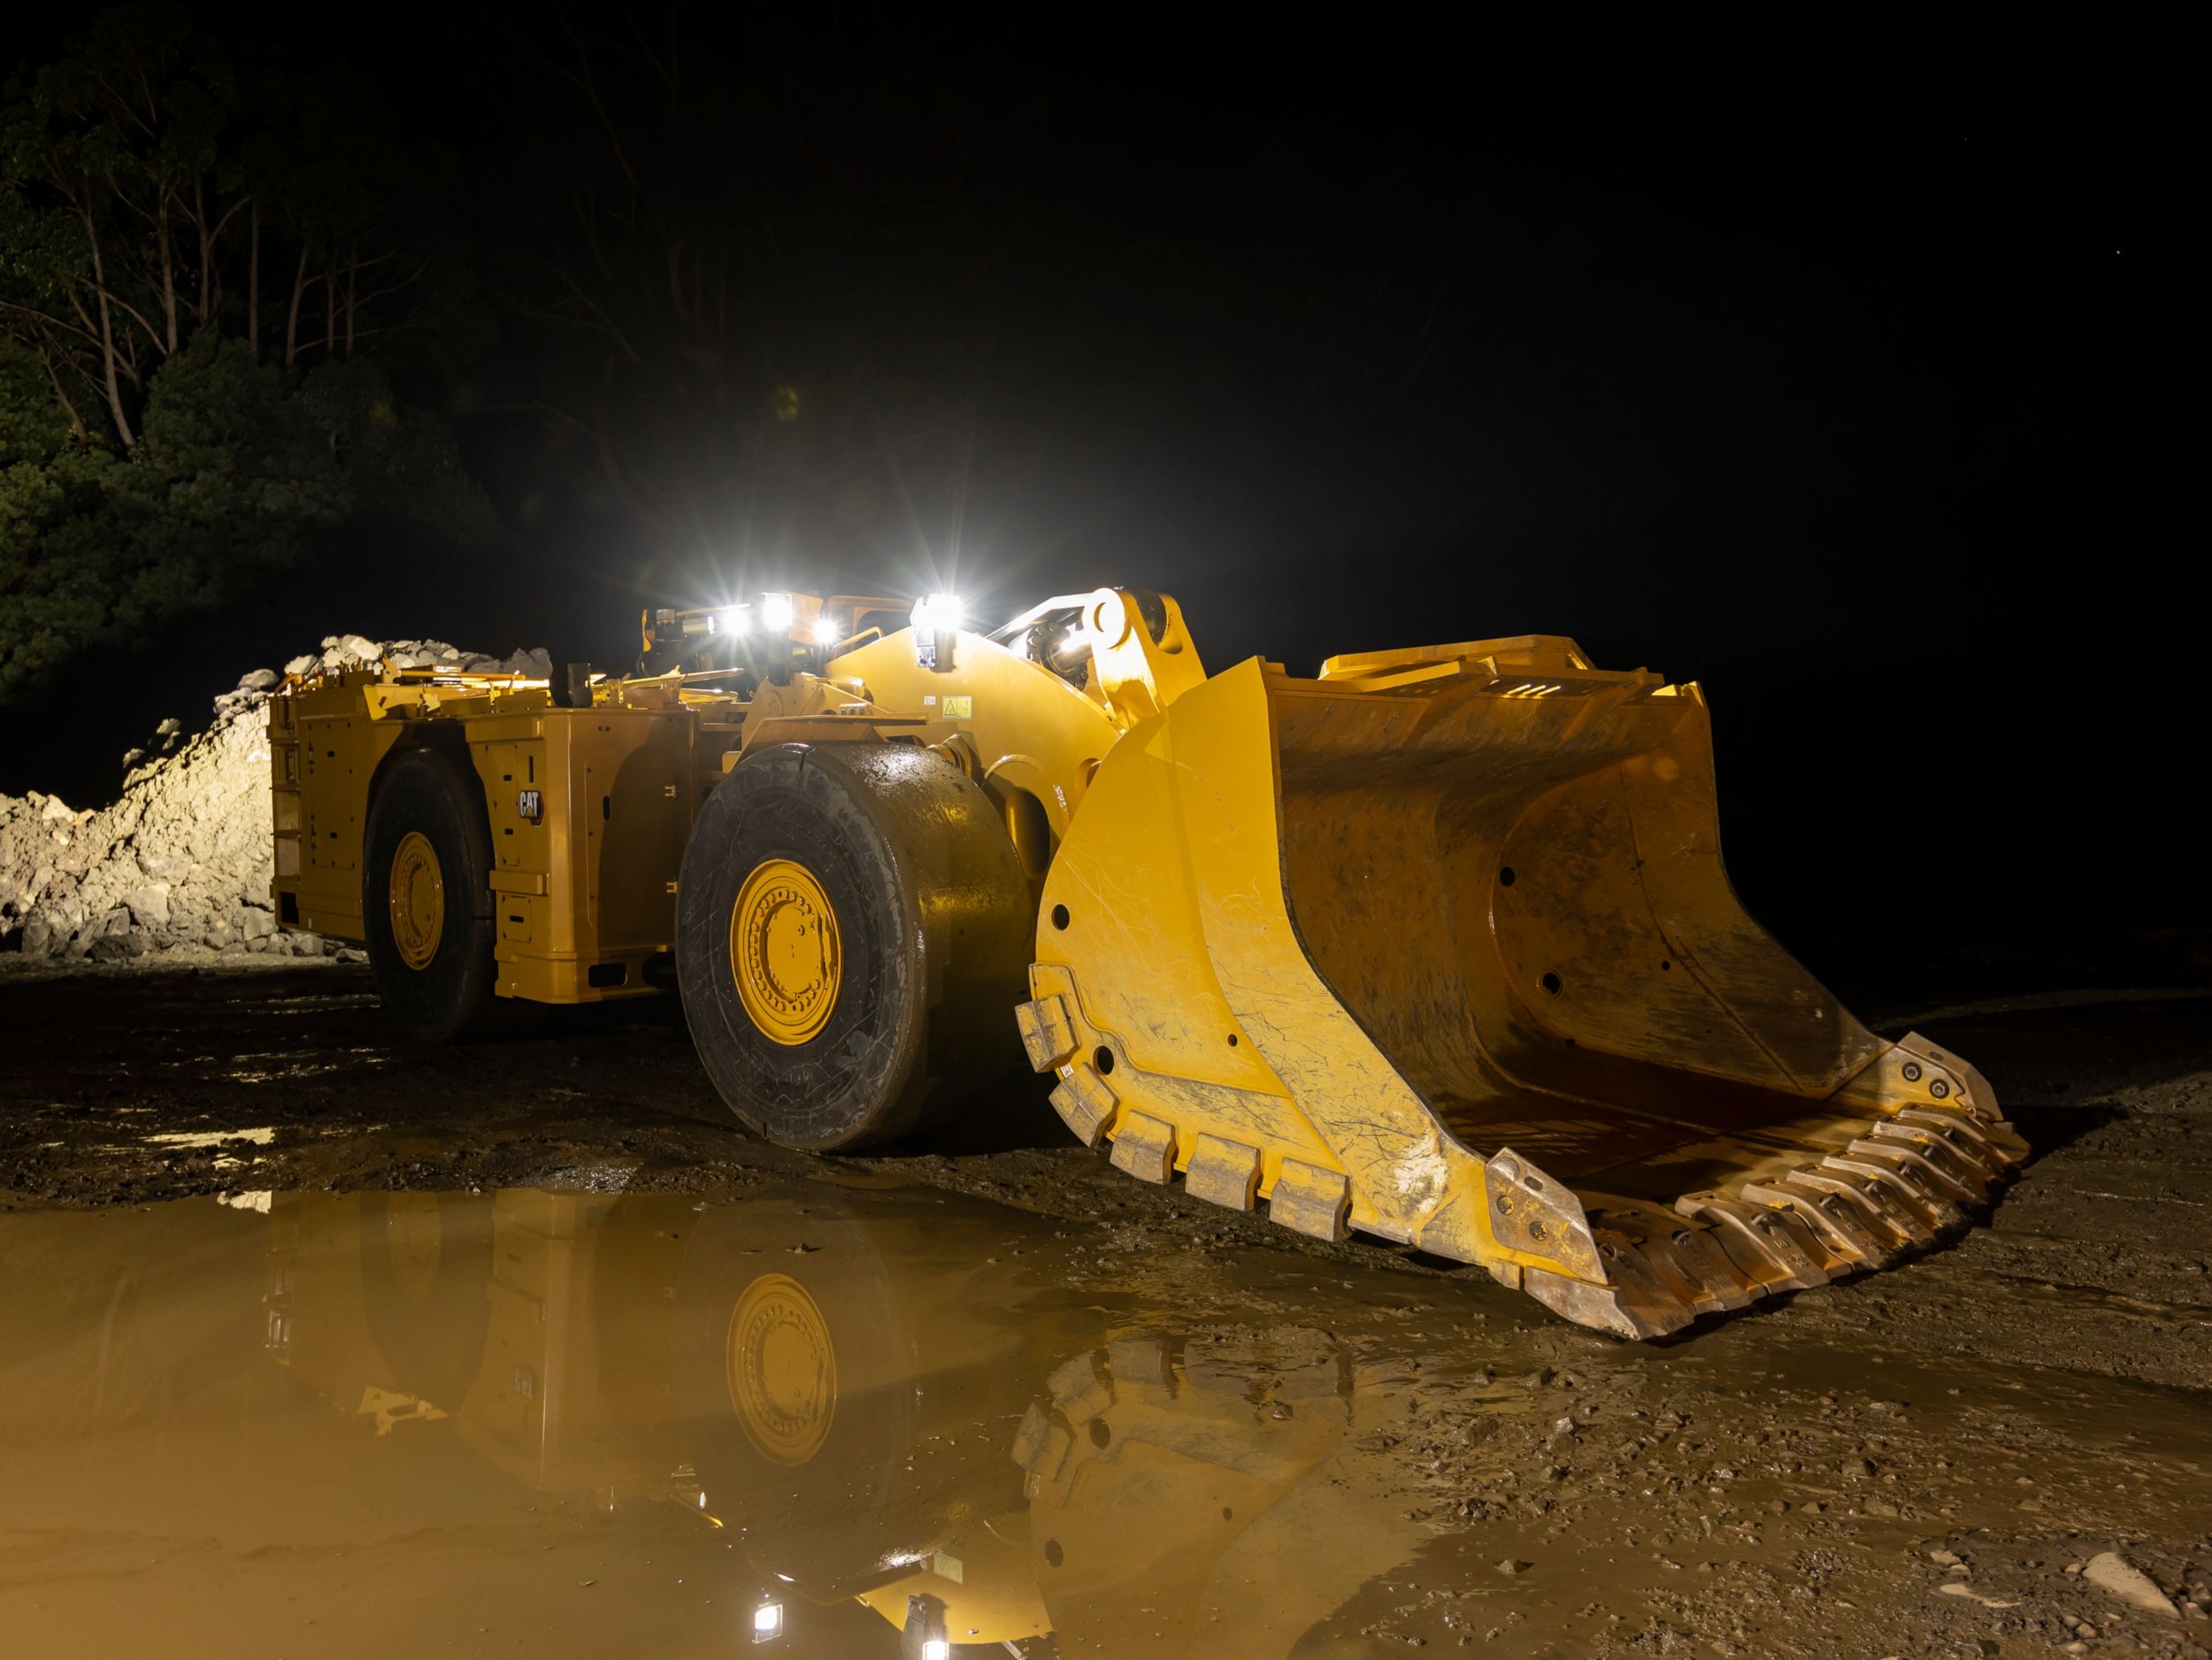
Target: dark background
(1850,404)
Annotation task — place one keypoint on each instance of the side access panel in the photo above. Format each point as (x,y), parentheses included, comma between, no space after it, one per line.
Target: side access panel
(590,810)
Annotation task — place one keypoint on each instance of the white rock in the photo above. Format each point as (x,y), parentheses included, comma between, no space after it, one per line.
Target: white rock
(184,856)
(150,905)
(2111,1572)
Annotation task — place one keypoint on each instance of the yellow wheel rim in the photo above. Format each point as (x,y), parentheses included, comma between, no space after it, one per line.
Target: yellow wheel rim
(782,1370)
(417,900)
(784,951)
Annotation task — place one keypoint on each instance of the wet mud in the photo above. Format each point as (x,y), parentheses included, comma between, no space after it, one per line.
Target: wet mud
(319,1341)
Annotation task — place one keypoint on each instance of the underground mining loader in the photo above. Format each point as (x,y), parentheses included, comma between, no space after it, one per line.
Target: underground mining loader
(1435,945)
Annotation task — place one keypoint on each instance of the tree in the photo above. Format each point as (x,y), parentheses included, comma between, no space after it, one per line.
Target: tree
(201,268)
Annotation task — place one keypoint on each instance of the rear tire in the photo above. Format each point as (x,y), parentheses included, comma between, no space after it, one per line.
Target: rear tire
(437,980)
(880,879)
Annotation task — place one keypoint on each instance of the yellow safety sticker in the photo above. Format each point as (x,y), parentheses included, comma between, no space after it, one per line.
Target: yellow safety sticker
(962,708)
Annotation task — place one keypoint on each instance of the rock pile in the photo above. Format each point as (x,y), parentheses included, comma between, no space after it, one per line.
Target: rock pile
(183,860)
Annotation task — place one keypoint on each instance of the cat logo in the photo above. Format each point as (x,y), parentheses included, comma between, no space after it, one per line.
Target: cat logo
(531,804)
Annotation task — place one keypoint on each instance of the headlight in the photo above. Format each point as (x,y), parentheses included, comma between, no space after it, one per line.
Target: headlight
(938,612)
(775,610)
(768,1622)
(736,621)
(936,1648)
(826,632)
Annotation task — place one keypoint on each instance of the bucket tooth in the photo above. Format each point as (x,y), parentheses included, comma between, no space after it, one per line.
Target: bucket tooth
(1931,1211)
(1996,1149)
(1224,1173)
(1144,1146)
(1635,1305)
(1829,1217)
(1310,1199)
(1142,1359)
(1884,1215)
(1048,1031)
(1041,1444)
(1767,1246)
(1654,1257)
(1081,1389)
(1967,1175)
(1087,1103)
(1719,1285)
(1916,1165)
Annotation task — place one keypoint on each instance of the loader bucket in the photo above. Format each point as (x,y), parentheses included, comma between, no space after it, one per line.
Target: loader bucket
(1439,946)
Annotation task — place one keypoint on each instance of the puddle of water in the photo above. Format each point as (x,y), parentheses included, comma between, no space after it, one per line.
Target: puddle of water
(853,1422)
(377,1423)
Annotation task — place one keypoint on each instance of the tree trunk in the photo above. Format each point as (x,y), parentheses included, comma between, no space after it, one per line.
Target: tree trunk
(76,422)
(107,339)
(253,281)
(207,250)
(292,318)
(168,270)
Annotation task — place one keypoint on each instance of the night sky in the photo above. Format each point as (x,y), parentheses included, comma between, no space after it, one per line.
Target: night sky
(1850,404)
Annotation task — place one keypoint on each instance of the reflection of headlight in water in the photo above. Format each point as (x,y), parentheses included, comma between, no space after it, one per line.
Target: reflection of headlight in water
(768,1623)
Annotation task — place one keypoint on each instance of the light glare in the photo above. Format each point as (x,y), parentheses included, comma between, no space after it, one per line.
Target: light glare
(939,612)
(767,1621)
(775,610)
(737,619)
(936,1648)
(826,632)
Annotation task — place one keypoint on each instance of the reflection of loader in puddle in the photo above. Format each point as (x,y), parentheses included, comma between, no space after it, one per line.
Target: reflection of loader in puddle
(885,1417)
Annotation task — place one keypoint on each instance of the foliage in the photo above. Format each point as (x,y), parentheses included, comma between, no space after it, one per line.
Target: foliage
(241,468)
(205,269)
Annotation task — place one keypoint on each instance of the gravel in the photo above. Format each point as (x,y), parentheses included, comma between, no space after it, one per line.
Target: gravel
(181,862)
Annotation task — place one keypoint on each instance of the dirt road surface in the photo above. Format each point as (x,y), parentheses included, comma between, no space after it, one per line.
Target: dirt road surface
(233,1198)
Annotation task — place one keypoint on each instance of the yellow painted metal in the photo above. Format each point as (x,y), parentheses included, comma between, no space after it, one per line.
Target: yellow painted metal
(782,1366)
(1439,946)
(786,954)
(582,888)
(418,901)
(1032,731)
(1436,945)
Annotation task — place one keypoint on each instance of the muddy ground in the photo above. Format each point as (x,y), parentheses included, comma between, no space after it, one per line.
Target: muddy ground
(1927,1462)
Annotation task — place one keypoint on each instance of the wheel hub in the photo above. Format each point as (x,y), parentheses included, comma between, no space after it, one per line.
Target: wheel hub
(782,1370)
(417,900)
(785,953)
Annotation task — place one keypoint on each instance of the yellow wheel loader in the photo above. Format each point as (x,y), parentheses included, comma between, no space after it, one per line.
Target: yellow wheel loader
(1435,945)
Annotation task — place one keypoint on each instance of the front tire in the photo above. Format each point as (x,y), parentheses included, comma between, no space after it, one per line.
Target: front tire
(425,894)
(853,928)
